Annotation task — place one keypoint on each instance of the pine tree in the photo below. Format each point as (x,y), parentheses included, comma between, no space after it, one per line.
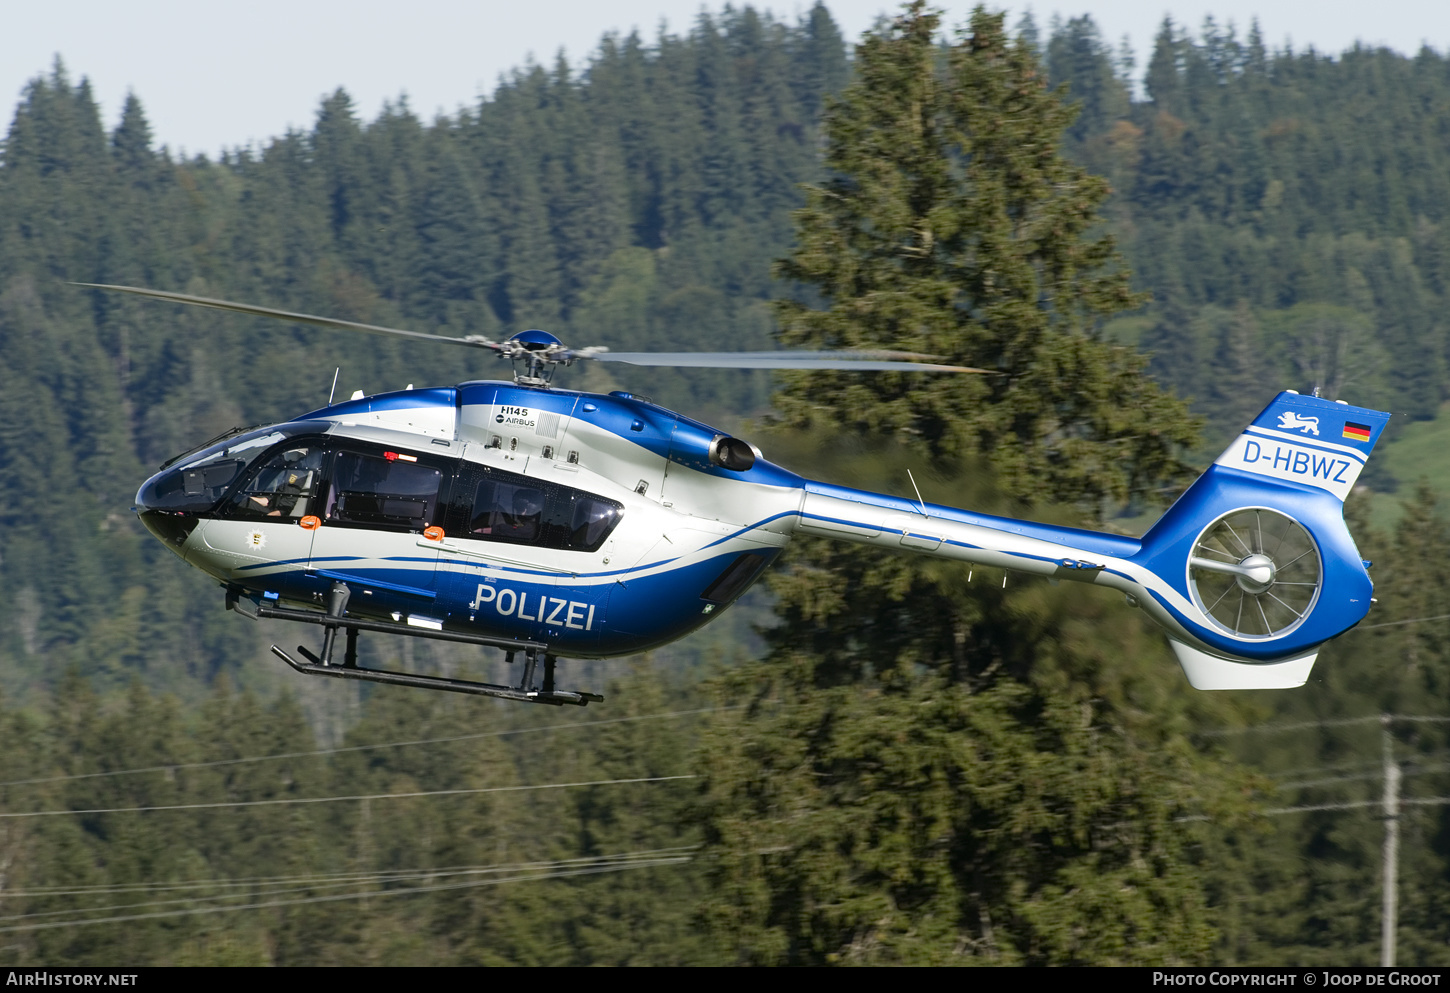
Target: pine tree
(822,65)
(953,226)
(1078,58)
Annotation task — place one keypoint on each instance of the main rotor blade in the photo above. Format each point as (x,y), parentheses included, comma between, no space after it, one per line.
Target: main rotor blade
(287,315)
(770,360)
(854,354)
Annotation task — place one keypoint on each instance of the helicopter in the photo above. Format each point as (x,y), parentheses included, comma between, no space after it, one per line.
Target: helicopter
(548,522)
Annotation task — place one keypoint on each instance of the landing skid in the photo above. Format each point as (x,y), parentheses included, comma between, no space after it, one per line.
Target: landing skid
(336,618)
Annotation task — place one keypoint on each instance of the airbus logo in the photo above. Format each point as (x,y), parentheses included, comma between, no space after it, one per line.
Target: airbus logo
(520,416)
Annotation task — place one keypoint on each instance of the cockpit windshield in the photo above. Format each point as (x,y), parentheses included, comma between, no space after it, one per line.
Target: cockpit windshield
(195,485)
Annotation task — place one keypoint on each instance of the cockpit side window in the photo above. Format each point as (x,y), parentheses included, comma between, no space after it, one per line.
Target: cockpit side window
(284,485)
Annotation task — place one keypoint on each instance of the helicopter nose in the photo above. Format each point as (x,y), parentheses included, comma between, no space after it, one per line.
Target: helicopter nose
(167,504)
(193,489)
(172,529)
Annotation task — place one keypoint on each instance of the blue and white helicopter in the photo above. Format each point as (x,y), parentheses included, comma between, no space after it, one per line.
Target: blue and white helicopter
(550,522)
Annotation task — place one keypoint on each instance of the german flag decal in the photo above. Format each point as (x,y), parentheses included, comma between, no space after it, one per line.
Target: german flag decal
(1356,432)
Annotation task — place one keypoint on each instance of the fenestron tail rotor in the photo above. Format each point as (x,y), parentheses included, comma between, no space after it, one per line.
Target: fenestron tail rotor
(1256,573)
(541,352)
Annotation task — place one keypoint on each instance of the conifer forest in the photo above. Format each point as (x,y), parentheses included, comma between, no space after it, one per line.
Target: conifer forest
(869,759)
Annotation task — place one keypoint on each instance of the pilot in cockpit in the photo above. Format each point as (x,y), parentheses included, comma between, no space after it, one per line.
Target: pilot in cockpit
(282,488)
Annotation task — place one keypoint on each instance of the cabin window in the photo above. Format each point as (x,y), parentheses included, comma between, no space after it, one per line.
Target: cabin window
(507,511)
(378,490)
(526,511)
(592,521)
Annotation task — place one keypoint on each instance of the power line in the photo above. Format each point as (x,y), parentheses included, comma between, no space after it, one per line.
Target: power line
(301,884)
(361,748)
(1344,767)
(1299,726)
(1327,723)
(1429,801)
(326,877)
(159,903)
(1412,620)
(335,897)
(1308,808)
(1375,772)
(1305,784)
(282,801)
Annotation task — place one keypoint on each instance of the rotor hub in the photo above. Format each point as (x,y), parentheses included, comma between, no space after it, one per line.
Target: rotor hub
(1259,573)
(537,341)
(535,354)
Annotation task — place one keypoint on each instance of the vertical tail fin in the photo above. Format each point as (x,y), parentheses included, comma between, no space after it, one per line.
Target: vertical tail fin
(1260,566)
(1309,441)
